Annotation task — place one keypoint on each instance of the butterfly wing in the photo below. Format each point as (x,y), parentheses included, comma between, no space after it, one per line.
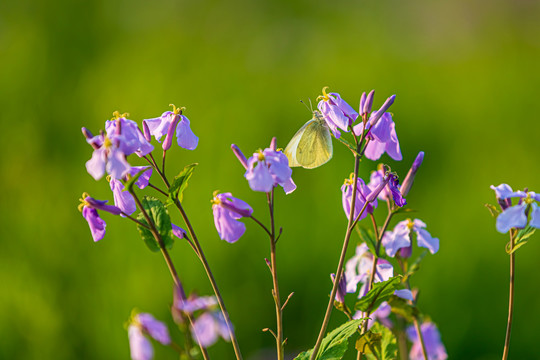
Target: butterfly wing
(314,147)
(292,146)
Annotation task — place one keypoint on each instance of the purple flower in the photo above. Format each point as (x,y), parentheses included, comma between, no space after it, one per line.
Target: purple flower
(178,231)
(227,210)
(358,270)
(381,315)
(516,216)
(400,237)
(132,140)
(122,198)
(432,340)
(89,207)
(382,136)
(362,193)
(342,287)
(107,157)
(268,168)
(391,190)
(144,179)
(336,112)
(208,327)
(145,324)
(166,125)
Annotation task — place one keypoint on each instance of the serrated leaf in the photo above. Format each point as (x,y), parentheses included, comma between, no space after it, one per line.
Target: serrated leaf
(386,348)
(367,342)
(180,183)
(335,343)
(380,292)
(403,308)
(160,217)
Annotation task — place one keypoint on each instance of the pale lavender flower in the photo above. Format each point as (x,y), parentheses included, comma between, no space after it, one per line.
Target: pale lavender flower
(145,324)
(144,179)
(107,157)
(131,138)
(268,168)
(362,193)
(404,294)
(358,270)
(382,136)
(208,327)
(516,216)
(432,340)
(336,112)
(400,237)
(195,303)
(166,125)
(391,190)
(89,207)
(227,210)
(122,198)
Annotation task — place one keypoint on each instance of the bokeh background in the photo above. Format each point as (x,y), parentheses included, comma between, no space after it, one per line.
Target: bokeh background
(467,80)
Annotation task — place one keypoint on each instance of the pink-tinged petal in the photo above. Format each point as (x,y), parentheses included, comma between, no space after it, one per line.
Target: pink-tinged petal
(259,178)
(392,147)
(382,129)
(375,149)
(535,216)
(155,328)
(160,126)
(288,186)
(122,199)
(425,240)
(96,224)
(170,133)
(324,108)
(239,208)
(432,341)
(96,165)
(347,110)
(418,224)
(140,347)
(227,227)
(185,137)
(512,217)
(397,239)
(384,271)
(204,330)
(117,166)
(404,294)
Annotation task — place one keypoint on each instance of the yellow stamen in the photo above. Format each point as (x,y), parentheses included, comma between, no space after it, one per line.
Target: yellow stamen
(528,200)
(350,180)
(107,142)
(410,224)
(83,201)
(261,156)
(215,200)
(324,95)
(117,115)
(177,111)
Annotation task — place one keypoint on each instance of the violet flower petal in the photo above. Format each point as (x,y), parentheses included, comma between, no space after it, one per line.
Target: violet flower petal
(184,136)
(140,347)
(512,217)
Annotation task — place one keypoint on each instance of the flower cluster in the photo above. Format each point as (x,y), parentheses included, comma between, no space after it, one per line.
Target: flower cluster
(516,216)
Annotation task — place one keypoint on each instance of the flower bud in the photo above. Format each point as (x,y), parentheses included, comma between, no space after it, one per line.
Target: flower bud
(405,252)
(241,157)
(369,103)
(342,288)
(87,134)
(273,144)
(409,179)
(379,113)
(170,133)
(146,131)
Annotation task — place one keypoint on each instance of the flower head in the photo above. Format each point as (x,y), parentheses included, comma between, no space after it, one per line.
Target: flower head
(89,207)
(342,287)
(362,193)
(227,210)
(107,157)
(432,340)
(122,198)
(516,216)
(382,136)
(336,112)
(391,191)
(143,325)
(400,237)
(166,125)
(268,168)
(409,179)
(132,139)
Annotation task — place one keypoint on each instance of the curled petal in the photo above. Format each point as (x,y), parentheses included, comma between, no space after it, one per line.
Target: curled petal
(122,199)
(140,347)
(425,240)
(228,228)
(259,178)
(184,136)
(155,328)
(96,165)
(97,225)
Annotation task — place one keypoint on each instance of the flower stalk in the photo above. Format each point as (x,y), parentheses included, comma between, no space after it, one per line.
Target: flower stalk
(510,297)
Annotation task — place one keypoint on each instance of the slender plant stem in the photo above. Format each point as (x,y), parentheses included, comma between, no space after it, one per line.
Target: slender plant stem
(210,275)
(275,291)
(158,189)
(339,270)
(163,162)
(261,225)
(510,298)
(169,262)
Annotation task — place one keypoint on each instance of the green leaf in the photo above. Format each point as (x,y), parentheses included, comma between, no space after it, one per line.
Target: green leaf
(367,342)
(402,307)
(160,217)
(381,292)
(386,348)
(414,267)
(129,184)
(368,237)
(348,144)
(335,344)
(521,238)
(180,183)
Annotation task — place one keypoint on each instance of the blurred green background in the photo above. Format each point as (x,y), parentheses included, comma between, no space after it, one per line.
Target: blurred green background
(467,80)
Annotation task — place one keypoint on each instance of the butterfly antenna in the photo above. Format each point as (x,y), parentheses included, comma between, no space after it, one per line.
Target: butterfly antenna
(310,104)
(311,110)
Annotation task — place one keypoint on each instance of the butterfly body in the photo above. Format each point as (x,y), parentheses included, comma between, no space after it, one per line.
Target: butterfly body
(311,146)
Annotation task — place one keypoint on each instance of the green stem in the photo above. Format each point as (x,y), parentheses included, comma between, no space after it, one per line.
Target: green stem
(510,298)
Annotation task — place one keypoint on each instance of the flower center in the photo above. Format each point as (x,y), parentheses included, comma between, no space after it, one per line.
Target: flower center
(215,200)
(117,115)
(107,142)
(529,199)
(350,180)
(324,95)
(177,111)
(83,201)
(410,224)
(260,157)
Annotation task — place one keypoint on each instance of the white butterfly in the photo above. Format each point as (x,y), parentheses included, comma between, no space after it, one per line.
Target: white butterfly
(311,146)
